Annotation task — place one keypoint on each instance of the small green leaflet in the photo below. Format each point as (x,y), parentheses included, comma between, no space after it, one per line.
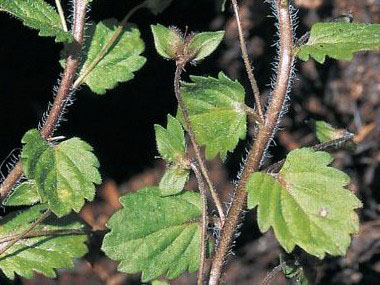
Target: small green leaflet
(339,40)
(167,41)
(119,63)
(171,142)
(41,254)
(306,204)
(25,194)
(170,43)
(217,113)
(64,174)
(39,15)
(171,145)
(325,132)
(174,180)
(157,6)
(155,235)
(204,44)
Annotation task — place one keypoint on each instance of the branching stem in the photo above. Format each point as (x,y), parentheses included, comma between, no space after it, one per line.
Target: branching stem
(26,232)
(261,142)
(202,190)
(202,165)
(247,64)
(62,95)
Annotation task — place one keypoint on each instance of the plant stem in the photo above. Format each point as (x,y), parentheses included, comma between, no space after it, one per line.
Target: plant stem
(82,77)
(41,233)
(325,146)
(61,15)
(202,190)
(247,64)
(62,95)
(197,151)
(261,142)
(26,232)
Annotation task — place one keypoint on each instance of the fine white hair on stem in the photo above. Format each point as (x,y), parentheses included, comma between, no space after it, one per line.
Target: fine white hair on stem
(8,162)
(294,21)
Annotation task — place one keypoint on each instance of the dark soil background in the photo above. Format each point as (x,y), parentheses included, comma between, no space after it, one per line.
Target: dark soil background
(119,125)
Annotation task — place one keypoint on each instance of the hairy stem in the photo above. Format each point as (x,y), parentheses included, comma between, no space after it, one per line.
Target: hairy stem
(247,64)
(325,146)
(261,142)
(197,151)
(108,45)
(61,15)
(202,190)
(26,232)
(62,95)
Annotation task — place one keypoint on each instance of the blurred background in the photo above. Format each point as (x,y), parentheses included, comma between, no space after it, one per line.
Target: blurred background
(119,125)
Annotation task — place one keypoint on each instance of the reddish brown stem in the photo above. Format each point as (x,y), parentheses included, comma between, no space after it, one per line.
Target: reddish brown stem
(62,95)
(261,142)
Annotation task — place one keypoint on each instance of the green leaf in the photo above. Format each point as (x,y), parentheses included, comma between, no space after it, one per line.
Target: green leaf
(157,6)
(203,44)
(167,41)
(171,141)
(339,40)
(306,204)
(25,194)
(216,110)
(64,174)
(41,254)
(39,15)
(325,132)
(155,235)
(174,180)
(121,60)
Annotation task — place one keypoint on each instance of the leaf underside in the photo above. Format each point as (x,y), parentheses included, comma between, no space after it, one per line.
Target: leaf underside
(307,205)
(155,235)
(119,63)
(64,174)
(339,40)
(42,254)
(39,15)
(216,110)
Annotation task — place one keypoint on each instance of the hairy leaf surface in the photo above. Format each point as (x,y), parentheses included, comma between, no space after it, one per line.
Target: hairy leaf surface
(306,204)
(42,254)
(119,63)
(39,15)
(64,174)
(339,40)
(167,41)
(325,132)
(203,44)
(171,142)
(155,235)
(25,194)
(216,110)
(174,180)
